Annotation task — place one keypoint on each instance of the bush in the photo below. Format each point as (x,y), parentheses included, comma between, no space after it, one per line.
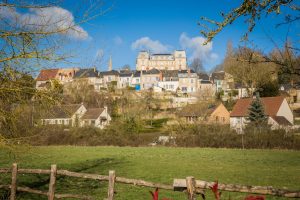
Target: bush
(222,137)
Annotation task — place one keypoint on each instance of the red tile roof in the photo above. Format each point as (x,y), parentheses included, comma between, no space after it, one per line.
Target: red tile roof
(271,106)
(47,74)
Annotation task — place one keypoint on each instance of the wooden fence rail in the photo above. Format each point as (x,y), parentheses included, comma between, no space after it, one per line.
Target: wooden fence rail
(188,185)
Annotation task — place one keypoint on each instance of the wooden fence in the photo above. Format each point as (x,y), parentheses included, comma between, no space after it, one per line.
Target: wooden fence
(189,185)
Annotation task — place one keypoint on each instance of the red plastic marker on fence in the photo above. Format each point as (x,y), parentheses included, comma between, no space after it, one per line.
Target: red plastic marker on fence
(155,195)
(215,190)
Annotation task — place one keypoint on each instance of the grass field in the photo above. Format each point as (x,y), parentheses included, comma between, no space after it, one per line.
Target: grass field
(279,168)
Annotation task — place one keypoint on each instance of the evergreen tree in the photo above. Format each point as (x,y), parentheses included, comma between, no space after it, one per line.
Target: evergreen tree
(257,115)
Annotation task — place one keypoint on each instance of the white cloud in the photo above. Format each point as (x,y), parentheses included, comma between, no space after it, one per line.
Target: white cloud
(145,43)
(45,19)
(118,40)
(195,48)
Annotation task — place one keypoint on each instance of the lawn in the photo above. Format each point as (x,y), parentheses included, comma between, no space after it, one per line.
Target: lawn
(279,168)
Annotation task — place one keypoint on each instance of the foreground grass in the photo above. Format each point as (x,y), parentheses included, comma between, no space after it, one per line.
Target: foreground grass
(278,168)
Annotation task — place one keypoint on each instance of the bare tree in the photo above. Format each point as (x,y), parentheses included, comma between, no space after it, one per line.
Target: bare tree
(252,11)
(197,65)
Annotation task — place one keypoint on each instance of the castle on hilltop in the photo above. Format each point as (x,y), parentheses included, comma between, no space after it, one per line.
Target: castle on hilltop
(175,61)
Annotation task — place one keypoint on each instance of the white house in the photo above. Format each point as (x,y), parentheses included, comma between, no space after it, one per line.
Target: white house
(276,108)
(77,115)
(68,115)
(96,117)
(169,85)
(125,79)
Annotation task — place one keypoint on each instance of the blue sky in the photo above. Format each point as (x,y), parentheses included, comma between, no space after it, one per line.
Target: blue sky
(166,25)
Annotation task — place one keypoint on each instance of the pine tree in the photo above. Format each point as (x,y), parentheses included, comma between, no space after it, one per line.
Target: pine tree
(257,115)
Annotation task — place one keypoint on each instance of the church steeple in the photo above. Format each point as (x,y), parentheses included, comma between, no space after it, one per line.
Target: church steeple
(110,64)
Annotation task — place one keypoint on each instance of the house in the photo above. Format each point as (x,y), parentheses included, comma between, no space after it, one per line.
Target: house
(110,78)
(90,75)
(212,114)
(206,89)
(188,81)
(166,61)
(223,81)
(276,109)
(136,80)
(150,78)
(96,117)
(68,115)
(125,79)
(170,80)
(218,114)
(45,77)
(76,115)
(63,76)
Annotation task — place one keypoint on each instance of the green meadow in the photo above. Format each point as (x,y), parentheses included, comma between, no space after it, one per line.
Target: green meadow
(278,168)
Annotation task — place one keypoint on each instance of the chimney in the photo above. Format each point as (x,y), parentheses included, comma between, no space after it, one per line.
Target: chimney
(106,110)
(94,69)
(110,64)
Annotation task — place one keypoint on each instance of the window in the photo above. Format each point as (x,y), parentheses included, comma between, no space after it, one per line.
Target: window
(55,121)
(192,80)
(93,122)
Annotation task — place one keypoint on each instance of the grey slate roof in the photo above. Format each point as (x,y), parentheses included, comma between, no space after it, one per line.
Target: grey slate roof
(109,73)
(203,76)
(218,75)
(151,71)
(64,111)
(86,73)
(93,113)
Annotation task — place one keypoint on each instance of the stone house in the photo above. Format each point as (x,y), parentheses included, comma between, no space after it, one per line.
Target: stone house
(276,109)
(91,76)
(188,81)
(170,80)
(110,78)
(150,78)
(64,75)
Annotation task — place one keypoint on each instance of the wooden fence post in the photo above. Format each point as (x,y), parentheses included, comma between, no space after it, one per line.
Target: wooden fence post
(111,185)
(52,182)
(191,187)
(13,186)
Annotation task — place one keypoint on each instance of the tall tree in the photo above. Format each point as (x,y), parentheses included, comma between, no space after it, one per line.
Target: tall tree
(245,65)
(197,65)
(257,117)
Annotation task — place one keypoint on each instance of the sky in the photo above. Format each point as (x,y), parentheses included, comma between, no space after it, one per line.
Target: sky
(161,26)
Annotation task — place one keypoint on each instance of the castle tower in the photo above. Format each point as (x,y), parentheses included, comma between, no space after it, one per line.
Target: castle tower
(110,64)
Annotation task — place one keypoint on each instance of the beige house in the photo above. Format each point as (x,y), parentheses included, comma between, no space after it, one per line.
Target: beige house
(63,76)
(214,114)
(175,61)
(188,81)
(96,117)
(150,78)
(276,109)
(219,114)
